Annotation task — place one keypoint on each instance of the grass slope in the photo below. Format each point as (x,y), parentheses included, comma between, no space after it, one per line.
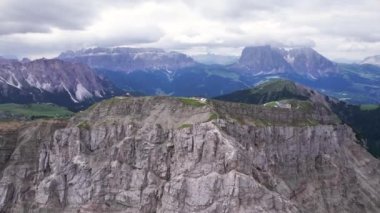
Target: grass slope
(270,91)
(33,111)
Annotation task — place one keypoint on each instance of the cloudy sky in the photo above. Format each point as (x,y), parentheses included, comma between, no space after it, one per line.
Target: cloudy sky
(339,29)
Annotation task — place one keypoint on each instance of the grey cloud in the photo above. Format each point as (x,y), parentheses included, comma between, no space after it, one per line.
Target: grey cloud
(363,29)
(16,27)
(11,45)
(240,42)
(40,15)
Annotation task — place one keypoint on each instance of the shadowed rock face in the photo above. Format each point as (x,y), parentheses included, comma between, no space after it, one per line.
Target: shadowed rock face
(159,154)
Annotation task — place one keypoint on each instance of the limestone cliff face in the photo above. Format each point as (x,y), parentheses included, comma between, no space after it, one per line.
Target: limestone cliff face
(169,155)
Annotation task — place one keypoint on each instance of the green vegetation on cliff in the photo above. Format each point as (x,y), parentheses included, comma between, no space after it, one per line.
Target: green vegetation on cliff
(192,102)
(32,111)
(369,107)
(183,126)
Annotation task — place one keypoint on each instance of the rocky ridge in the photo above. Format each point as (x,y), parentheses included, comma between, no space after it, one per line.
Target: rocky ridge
(160,154)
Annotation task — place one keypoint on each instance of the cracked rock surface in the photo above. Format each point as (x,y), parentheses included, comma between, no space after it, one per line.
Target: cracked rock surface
(160,154)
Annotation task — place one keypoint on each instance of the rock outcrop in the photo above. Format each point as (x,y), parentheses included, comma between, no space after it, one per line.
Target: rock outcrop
(160,154)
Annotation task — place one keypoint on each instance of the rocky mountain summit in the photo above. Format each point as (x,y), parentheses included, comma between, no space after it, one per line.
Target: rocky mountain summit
(162,154)
(50,80)
(129,59)
(263,60)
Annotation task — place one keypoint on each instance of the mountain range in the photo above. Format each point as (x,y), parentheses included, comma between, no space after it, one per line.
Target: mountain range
(93,74)
(156,72)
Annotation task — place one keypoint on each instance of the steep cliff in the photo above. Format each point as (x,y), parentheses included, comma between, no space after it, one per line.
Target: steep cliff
(160,154)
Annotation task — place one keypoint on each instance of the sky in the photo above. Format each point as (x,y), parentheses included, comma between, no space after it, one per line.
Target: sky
(338,29)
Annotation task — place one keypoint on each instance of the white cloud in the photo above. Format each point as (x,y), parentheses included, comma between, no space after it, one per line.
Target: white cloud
(338,29)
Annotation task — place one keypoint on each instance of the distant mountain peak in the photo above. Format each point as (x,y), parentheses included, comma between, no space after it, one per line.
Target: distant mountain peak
(270,60)
(263,59)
